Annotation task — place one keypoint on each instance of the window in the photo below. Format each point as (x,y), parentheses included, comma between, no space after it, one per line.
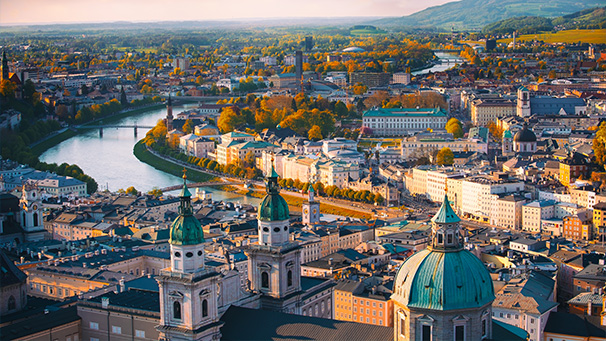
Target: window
(94,339)
(459,333)
(116,330)
(484,328)
(204,308)
(94,325)
(264,279)
(426,332)
(289,278)
(140,333)
(177,310)
(12,303)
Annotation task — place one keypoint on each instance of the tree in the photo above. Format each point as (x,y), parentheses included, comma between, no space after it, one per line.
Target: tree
(495,131)
(445,157)
(156,192)
(188,126)
(250,159)
(7,88)
(454,127)
(132,190)
(315,133)
(379,199)
(599,144)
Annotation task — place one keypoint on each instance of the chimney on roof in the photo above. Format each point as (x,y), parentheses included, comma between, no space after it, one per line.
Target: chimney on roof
(122,285)
(104,302)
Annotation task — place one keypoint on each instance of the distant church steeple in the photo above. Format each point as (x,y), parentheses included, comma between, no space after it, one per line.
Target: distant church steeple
(4,66)
(169,114)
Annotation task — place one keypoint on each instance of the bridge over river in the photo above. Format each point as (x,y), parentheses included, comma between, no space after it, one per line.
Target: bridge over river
(116,126)
(203,184)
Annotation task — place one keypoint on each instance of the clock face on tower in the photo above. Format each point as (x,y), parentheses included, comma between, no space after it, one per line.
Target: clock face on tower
(34,207)
(315,211)
(306,211)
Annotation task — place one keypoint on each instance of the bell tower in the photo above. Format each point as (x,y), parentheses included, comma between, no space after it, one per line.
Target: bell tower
(31,212)
(523,106)
(188,289)
(311,209)
(274,263)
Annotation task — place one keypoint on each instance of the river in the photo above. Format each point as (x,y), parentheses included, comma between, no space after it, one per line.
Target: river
(110,160)
(455,58)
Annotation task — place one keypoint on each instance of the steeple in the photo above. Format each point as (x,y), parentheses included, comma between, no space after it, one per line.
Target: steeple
(4,66)
(169,114)
(445,234)
(186,236)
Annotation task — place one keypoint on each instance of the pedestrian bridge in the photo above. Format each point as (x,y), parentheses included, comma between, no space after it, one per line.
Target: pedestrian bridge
(116,126)
(202,184)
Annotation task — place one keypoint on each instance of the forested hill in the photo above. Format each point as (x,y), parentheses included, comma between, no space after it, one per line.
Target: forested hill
(475,14)
(592,18)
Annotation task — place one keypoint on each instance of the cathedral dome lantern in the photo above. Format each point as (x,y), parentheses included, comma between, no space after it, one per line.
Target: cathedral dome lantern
(444,288)
(273,215)
(186,236)
(273,207)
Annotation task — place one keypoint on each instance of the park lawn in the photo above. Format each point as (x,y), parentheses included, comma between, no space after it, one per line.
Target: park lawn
(366,32)
(168,167)
(597,36)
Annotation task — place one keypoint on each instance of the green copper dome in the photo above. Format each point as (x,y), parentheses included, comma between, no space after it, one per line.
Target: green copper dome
(186,229)
(443,281)
(273,207)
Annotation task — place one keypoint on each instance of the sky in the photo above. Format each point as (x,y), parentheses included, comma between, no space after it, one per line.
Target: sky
(79,11)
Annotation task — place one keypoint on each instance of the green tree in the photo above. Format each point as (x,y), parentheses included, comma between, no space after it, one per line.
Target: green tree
(7,88)
(454,127)
(445,157)
(379,199)
(315,133)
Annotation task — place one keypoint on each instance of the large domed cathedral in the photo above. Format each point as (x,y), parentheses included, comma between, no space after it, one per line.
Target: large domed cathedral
(444,292)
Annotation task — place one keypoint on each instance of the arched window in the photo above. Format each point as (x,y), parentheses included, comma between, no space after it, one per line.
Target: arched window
(264,279)
(24,221)
(12,304)
(289,278)
(204,308)
(177,310)
(35,219)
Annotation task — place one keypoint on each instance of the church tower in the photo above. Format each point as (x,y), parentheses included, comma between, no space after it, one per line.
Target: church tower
(523,106)
(169,114)
(188,289)
(507,143)
(31,213)
(4,66)
(274,264)
(444,292)
(311,209)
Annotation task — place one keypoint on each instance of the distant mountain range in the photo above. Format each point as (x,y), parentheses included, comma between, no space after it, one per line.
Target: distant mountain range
(475,14)
(592,18)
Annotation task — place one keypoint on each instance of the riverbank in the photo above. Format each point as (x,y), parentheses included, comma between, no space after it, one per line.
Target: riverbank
(39,147)
(142,154)
(47,143)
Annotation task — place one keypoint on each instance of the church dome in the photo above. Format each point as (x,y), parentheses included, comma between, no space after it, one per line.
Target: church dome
(525,135)
(445,276)
(273,207)
(186,229)
(443,281)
